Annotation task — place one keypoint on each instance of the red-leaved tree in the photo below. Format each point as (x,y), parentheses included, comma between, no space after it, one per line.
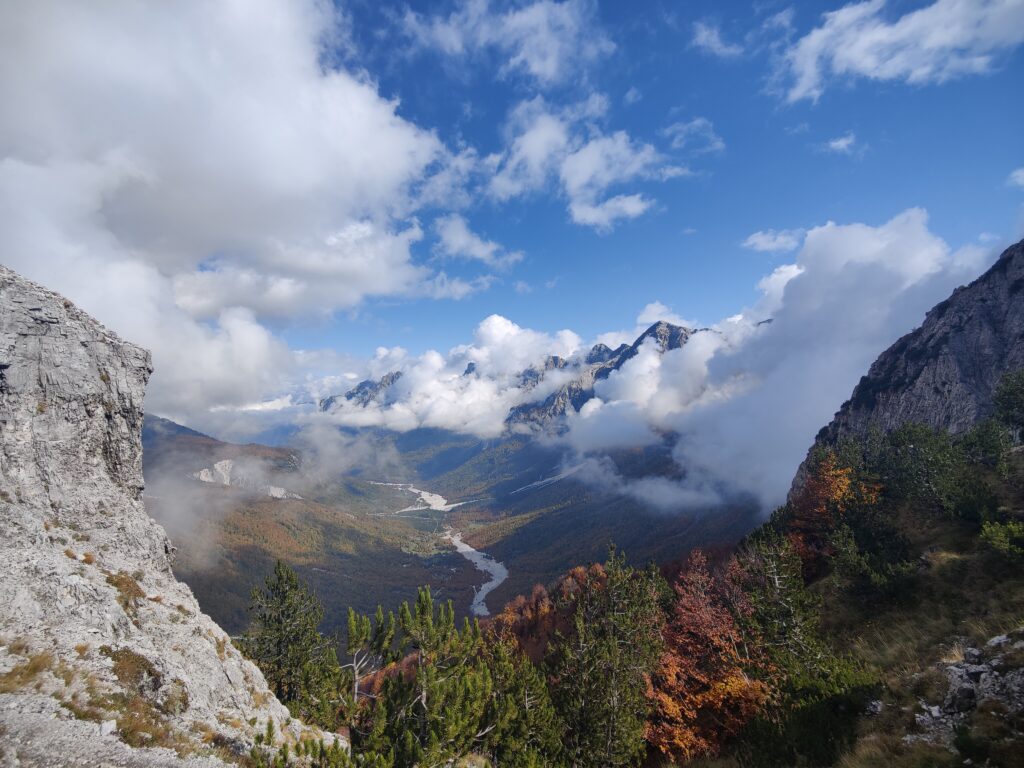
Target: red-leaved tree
(702,693)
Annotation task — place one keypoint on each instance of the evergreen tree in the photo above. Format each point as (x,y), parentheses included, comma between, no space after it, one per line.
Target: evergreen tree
(283,639)
(524,728)
(819,694)
(601,669)
(431,707)
(1009,401)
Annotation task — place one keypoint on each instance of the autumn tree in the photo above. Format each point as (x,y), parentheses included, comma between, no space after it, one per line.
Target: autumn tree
(702,692)
(816,510)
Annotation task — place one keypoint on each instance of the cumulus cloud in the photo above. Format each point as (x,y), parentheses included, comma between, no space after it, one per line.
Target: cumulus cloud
(941,41)
(546,41)
(458,241)
(708,38)
(471,388)
(774,240)
(1016,178)
(565,146)
(164,171)
(746,398)
(738,404)
(697,136)
(851,292)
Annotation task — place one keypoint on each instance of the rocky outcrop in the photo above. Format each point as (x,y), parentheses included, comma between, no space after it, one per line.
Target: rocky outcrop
(945,372)
(987,682)
(98,640)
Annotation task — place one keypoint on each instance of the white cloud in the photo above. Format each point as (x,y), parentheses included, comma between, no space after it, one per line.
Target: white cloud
(852,291)
(842,145)
(697,136)
(564,145)
(933,44)
(742,400)
(545,40)
(1016,178)
(656,312)
(774,240)
(709,39)
(164,170)
(458,241)
(632,96)
(435,392)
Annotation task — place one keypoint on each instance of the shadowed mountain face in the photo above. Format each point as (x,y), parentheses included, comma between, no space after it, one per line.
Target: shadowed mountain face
(945,372)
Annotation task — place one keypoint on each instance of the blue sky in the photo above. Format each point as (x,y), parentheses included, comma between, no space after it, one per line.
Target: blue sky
(265,193)
(947,147)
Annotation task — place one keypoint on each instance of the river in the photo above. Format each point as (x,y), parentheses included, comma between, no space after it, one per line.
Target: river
(480,560)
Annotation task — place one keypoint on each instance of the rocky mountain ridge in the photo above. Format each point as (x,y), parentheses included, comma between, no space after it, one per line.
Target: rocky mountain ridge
(945,372)
(98,640)
(598,363)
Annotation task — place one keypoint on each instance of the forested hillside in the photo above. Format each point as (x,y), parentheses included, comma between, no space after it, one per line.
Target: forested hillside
(876,619)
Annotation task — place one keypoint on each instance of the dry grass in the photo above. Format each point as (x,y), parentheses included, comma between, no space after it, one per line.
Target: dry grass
(70,553)
(954,654)
(82,649)
(27,672)
(88,558)
(129,593)
(891,751)
(133,670)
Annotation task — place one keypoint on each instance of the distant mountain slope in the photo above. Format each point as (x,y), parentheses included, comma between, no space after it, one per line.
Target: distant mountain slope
(945,372)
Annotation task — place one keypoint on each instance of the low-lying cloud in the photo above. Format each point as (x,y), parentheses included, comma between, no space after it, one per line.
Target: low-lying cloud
(742,399)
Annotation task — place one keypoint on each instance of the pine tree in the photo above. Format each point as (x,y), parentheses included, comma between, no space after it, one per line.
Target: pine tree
(432,704)
(524,730)
(283,639)
(601,669)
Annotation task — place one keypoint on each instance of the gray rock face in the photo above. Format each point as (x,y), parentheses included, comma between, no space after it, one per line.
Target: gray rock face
(945,372)
(90,612)
(600,363)
(363,393)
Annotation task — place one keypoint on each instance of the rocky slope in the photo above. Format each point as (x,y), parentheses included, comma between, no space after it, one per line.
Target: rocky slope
(945,372)
(98,640)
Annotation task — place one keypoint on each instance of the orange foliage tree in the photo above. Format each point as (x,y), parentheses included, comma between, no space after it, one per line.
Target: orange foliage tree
(702,694)
(816,511)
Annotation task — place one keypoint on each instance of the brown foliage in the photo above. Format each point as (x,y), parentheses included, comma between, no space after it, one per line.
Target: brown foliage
(533,621)
(702,694)
(816,511)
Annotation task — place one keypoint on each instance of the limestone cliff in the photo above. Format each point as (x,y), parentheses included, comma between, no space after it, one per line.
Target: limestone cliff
(945,372)
(99,644)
